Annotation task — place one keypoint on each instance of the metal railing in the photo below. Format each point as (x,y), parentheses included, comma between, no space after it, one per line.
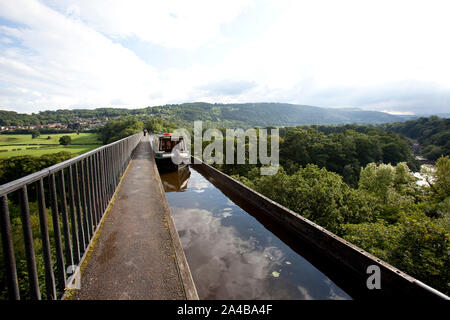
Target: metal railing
(78,192)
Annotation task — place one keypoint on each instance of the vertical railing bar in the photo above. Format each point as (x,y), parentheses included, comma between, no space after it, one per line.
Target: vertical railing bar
(127,154)
(103,173)
(97,186)
(105,184)
(65,220)
(73,221)
(123,156)
(84,201)
(8,250)
(81,231)
(57,234)
(92,193)
(110,173)
(113,168)
(120,159)
(94,189)
(116,166)
(29,246)
(49,275)
(101,164)
(105,176)
(89,197)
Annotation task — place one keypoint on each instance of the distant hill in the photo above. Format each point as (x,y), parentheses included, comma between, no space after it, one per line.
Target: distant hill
(269,114)
(226,115)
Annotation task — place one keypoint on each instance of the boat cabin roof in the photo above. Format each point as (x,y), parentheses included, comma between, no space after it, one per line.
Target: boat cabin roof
(168,136)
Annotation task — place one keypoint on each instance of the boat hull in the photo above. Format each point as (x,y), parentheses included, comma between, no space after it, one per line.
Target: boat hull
(167,165)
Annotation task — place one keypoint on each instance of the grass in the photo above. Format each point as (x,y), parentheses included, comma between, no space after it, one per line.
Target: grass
(14,139)
(23,144)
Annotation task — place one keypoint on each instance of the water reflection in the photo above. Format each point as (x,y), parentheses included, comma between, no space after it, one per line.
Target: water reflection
(176,181)
(233,256)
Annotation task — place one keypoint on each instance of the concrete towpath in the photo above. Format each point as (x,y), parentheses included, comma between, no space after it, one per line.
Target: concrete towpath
(137,254)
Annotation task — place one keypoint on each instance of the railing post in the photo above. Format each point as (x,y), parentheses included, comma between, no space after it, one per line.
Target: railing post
(57,234)
(85,203)
(8,250)
(103,180)
(98,202)
(89,197)
(65,220)
(49,276)
(115,166)
(75,241)
(81,231)
(29,246)
(92,192)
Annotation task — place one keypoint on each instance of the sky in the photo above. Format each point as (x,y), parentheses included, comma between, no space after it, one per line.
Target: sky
(391,56)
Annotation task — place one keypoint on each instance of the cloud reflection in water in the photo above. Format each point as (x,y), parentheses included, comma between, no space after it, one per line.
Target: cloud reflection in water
(232,256)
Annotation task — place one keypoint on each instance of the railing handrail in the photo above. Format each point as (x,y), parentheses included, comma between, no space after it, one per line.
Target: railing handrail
(33,177)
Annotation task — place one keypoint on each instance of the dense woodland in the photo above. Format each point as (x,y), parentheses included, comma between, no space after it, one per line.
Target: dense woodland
(213,115)
(387,214)
(432,134)
(354,180)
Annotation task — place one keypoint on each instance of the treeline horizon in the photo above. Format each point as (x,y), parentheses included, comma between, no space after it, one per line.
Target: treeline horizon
(226,115)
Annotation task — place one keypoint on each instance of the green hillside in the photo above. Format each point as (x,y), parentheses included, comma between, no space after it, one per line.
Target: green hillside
(224,115)
(267,114)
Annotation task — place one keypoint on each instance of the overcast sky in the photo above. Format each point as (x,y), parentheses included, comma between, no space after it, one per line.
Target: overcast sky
(380,55)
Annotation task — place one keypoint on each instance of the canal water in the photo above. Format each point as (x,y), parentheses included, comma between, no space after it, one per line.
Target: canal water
(231,254)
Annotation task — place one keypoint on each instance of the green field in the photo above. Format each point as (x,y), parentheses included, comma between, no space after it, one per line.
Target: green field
(23,144)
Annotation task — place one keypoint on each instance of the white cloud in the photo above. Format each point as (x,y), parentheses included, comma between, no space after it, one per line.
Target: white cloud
(68,63)
(178,24)
(351,43)
(327,53)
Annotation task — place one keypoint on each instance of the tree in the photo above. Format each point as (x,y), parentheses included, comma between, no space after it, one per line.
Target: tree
(433,134)
(35,134)
(441,177)
(117,129)
(65,140)
(16,167)
(156,125)
(415,244)
(391,185)
(316,194)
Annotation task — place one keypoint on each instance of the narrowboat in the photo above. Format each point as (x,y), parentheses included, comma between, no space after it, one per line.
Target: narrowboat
(170,152)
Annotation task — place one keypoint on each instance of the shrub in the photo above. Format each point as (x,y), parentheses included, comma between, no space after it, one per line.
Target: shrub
(65,140)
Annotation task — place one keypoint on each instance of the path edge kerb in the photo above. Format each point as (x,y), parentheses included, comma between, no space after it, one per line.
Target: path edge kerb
(184,271)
